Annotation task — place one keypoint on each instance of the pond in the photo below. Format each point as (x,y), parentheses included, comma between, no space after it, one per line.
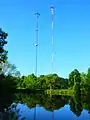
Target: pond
(44,107)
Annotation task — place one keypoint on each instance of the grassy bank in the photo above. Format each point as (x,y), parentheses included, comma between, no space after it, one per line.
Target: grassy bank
(60,92)
(67,92)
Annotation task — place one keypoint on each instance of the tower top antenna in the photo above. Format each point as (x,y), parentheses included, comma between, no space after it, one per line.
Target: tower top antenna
(36,13)
(52,7)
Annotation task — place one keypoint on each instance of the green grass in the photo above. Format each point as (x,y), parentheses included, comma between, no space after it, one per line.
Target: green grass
(60,92)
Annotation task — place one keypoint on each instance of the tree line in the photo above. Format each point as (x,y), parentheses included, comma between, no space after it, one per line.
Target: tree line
(10,77)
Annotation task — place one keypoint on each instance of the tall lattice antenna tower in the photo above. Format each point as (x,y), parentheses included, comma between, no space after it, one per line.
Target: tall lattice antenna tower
(52,33)
(36,42)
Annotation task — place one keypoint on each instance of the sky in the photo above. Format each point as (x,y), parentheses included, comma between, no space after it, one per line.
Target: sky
(71,35)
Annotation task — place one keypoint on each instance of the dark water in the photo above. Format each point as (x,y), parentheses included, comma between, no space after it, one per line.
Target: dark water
(44,107)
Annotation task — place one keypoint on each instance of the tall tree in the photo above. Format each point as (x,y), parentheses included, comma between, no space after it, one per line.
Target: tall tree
(30,81)
(9,69)
(3,52)
(74,76)
(88,73)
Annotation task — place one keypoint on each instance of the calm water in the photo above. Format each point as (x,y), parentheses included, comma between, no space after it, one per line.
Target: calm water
(44,107)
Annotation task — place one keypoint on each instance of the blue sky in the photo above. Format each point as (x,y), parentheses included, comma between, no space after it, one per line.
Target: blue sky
(71,35)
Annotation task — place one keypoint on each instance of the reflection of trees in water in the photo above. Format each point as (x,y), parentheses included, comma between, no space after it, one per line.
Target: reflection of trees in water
(55,103)
(86,102)
(12,113)
(76,105)
(50,104)
(5,101)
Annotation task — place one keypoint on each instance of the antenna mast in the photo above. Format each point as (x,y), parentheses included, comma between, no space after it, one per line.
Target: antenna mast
(52,21)
(36,42)
(52,34)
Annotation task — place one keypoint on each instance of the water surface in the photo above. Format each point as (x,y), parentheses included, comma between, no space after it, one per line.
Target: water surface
(44,107)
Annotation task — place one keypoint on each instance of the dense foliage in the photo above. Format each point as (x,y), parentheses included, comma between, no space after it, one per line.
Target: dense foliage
(42,82)
(8,72)
(10,78)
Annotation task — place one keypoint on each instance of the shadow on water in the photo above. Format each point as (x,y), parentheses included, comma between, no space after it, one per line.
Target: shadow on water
(19,106)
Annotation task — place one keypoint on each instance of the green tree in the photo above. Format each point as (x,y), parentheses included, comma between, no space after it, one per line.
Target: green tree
(63,83)
(41,82)
(30,81)
(88,73)
(22,83)
(85,82)
(88,79)
(83,76)
(3,52)
(10,83)
(3,56)
(9,69)
(74,76)
(53,81)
